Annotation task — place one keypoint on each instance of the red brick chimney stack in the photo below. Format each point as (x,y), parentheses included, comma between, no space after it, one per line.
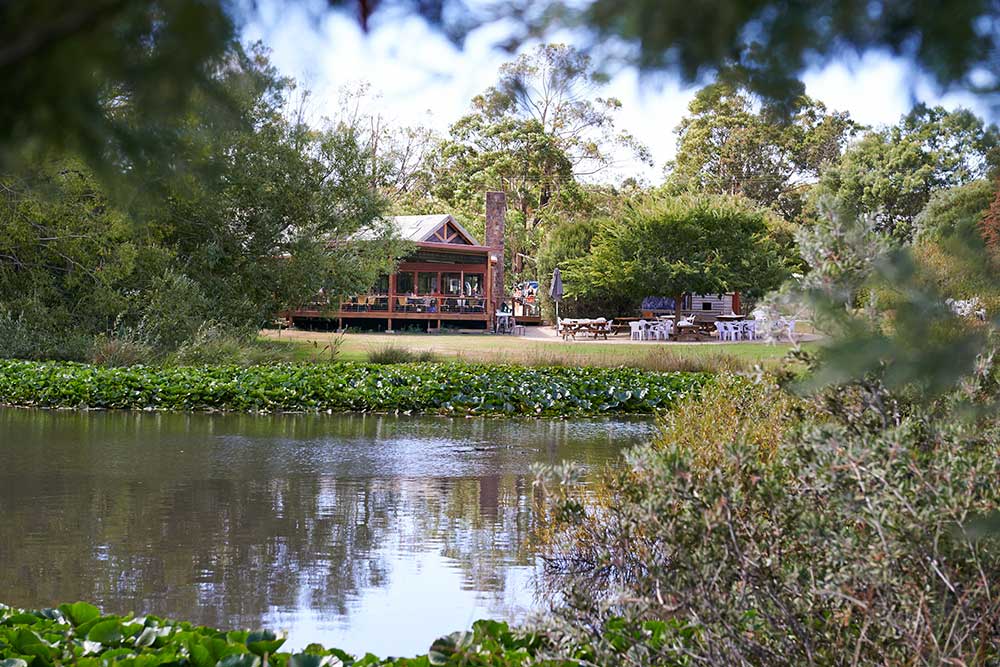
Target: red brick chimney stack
(496,212)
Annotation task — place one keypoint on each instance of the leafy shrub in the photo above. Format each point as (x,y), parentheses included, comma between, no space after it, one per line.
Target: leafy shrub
(213,344)
(853,542)
(730,409)
(390,354)
(23,336)
(440,388)
(78,634)
(123,351)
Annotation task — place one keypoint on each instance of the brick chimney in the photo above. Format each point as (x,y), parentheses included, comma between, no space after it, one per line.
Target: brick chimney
(496,212)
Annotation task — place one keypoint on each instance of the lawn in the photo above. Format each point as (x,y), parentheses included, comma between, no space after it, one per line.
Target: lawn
(486,348)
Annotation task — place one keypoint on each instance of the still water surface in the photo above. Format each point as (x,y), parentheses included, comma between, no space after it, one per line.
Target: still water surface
(363,532)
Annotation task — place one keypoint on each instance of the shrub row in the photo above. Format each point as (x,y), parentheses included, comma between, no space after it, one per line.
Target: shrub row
(79,635)
(416,387)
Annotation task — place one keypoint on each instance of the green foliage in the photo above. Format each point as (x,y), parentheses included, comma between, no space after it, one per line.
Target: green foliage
(233,246)
(949,250)
(77,634)
(532,134)
(24,336)
(757,414)
(392,354)
(891,173)
(954,211)
(725,146)
(214,345)
(413,387)
(673,245)
(68,71)
(569,240)
(766,45)
(853,541)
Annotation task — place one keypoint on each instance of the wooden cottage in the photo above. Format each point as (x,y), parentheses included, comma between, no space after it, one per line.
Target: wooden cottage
(450,280)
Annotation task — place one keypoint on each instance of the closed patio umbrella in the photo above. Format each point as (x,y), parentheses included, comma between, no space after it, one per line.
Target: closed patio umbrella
(556,289)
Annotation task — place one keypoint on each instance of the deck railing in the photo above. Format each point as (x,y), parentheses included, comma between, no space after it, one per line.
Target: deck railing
(374,303)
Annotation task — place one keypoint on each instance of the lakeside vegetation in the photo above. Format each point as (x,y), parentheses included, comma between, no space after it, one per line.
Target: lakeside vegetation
(79,634)
(346,386)
(164,198)
(310,346)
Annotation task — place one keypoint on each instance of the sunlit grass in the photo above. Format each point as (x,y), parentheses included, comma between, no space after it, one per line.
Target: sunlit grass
(486,348)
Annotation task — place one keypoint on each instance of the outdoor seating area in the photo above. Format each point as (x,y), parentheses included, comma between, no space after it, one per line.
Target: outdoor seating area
(693,328)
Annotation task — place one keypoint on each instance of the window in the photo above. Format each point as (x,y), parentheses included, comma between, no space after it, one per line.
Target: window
(404,283)
(451,283)
(381,285)
(473,284)
(706,305)
(427,283)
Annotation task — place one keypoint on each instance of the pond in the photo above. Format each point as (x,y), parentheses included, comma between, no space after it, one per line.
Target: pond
(369,533)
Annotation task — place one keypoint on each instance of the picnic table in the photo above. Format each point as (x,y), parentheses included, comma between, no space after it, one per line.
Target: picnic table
(621,324)
(570,328)
(732,317)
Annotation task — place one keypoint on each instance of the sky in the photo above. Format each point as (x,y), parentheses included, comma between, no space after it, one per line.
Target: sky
(417,77)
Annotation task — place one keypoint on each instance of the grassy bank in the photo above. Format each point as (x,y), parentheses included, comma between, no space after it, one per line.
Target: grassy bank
(486,349)
(78,634)
(346,386)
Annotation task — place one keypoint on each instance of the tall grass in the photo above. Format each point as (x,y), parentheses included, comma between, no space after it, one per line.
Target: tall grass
(393,354)
(653,359)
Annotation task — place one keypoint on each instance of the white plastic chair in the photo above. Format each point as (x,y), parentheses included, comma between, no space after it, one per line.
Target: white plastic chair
(636,330)
(750,329)
(644,328)
(720,327)
(666,328)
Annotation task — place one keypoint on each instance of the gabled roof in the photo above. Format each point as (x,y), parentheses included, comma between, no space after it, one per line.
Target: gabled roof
(422,228)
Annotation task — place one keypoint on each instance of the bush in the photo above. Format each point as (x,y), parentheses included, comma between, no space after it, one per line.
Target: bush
(113,351)
(390,354)
(345,386)
(853,541)
(22,336)
(730,409)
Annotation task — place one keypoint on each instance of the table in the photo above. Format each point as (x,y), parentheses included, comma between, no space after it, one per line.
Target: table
(573,327)
(731,318)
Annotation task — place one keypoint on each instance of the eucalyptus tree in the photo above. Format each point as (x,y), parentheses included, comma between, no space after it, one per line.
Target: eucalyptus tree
(535,133)
(891,172)
(730,143)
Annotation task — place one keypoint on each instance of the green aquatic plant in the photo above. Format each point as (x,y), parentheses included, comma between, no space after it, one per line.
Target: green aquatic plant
(80,635)
(347,386)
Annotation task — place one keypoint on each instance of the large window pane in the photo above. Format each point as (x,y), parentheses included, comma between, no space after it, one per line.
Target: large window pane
(452,283)
(404,283)
(473,284)
(427,283)
(381,285)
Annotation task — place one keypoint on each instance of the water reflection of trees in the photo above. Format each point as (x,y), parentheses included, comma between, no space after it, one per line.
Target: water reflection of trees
(222,520)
